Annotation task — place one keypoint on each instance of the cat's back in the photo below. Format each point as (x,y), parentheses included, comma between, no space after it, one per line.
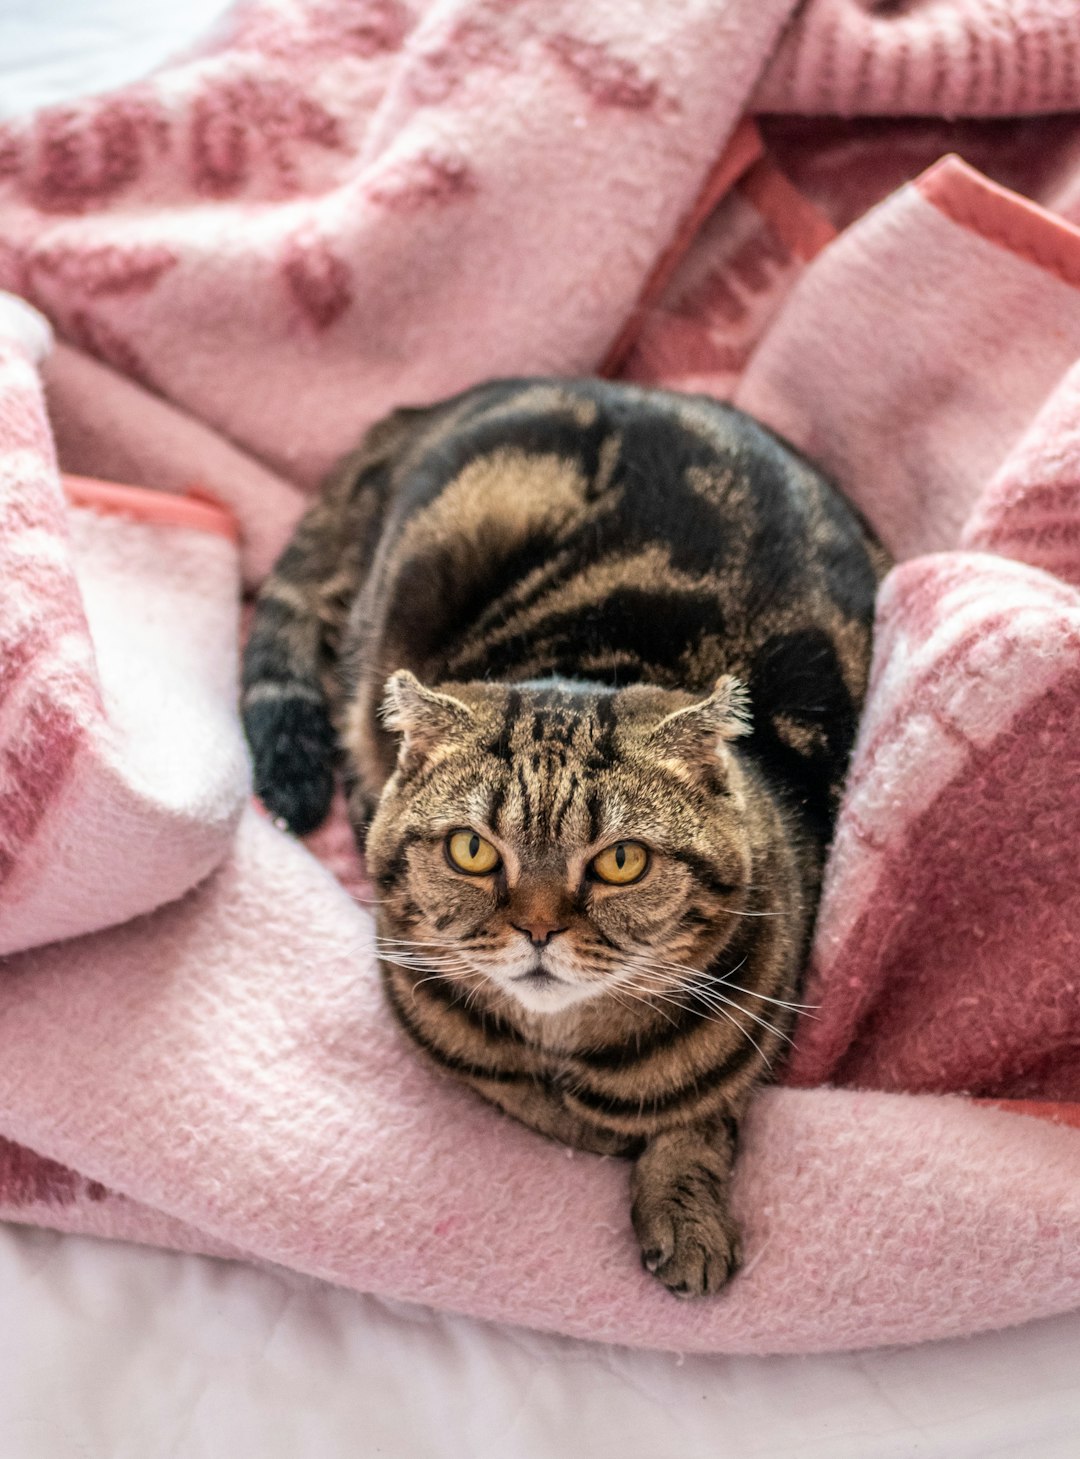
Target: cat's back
(582,529)
(567,527)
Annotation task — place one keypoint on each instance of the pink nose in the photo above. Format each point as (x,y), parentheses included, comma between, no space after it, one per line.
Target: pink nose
(538,933)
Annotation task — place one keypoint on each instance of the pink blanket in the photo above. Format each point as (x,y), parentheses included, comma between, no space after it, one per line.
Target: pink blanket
(337,207)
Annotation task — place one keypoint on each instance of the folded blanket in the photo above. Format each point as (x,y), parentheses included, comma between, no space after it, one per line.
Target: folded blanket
(337,207)
(121,771)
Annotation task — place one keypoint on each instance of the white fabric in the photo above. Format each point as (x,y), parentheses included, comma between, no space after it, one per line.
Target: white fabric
(54,49)
(29,329)
(123,1353)
(114,1352)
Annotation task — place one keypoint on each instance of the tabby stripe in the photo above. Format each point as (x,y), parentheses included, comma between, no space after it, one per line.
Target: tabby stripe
(398,864)
(500,745)
(495,805)
(526,801)
(560,814)
(488,1025)
(277,689)
(602,755)
(442,1056)
(705,872)
(701,1084)
(627,1055)
(641,622)
(592,806)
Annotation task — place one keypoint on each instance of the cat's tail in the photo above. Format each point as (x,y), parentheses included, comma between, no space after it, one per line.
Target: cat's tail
(289,677)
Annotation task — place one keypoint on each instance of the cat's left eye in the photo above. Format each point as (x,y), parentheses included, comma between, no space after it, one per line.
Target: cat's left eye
(621,864)
(468,851)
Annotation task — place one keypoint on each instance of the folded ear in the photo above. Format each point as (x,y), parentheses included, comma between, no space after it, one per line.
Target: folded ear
(699,731)
(423,717)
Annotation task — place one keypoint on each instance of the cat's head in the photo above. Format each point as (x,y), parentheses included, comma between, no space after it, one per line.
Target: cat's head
(556,843)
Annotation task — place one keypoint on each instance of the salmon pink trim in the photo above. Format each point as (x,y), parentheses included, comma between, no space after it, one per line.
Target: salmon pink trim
(742,151)
(1003,217)
(161,508)
(1059,1112)
(802,229)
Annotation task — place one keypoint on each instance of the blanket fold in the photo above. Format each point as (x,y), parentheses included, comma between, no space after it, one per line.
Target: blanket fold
(189,1048)
(331,209)
(121,770)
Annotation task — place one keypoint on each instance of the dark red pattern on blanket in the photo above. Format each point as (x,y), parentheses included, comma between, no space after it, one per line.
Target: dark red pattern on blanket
(317,279)
(27,1179)
(234,121)
(110,269)
(609,80)
(34,771)
(429,178)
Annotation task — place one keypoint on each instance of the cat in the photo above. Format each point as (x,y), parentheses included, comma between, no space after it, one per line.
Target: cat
(590,658)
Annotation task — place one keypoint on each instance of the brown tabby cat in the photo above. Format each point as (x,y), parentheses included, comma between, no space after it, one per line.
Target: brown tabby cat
(592,657)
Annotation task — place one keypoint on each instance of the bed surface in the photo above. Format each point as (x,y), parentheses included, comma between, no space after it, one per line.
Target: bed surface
(114,1352)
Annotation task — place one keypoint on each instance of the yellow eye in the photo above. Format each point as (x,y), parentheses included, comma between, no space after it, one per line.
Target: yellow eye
(469,852)
(622,863)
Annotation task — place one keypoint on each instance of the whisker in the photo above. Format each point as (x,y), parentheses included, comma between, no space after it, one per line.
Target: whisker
(721,1012)
(707,993)
(436,970)
(803,1008)
(726,978)
(460,977)
(638,999)
(718,1004)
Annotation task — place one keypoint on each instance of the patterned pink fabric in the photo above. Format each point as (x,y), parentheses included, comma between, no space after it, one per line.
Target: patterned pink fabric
(107,807)
(389,183)
(335,207)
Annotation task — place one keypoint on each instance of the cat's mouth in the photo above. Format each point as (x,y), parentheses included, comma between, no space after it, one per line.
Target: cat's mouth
(540,990)
(538,977)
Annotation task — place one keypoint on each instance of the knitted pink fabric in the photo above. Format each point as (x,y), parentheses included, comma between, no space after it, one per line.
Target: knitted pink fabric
(926,58)
(338,207)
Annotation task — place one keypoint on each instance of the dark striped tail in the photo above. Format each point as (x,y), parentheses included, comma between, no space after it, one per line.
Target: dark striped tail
(289,674)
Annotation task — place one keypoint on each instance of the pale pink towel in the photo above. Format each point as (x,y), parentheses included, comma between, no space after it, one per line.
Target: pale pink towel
(962,313)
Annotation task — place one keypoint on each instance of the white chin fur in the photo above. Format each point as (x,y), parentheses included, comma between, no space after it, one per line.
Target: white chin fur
(548,997)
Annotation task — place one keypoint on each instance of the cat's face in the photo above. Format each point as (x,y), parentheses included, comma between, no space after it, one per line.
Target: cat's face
(555,846)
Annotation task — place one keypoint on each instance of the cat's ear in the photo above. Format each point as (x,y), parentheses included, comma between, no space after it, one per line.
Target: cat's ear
(421,716)
(699,730)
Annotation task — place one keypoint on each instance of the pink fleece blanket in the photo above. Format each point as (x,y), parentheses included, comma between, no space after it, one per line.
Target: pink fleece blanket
(333,208)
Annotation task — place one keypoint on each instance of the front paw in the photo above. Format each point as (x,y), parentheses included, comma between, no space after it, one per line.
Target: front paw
(689,1240)
(293,749)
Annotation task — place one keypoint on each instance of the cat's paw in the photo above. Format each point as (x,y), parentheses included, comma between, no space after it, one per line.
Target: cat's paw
(293,748)
(688,1238)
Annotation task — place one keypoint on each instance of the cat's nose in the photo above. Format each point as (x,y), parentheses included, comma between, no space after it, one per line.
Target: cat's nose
(539,933)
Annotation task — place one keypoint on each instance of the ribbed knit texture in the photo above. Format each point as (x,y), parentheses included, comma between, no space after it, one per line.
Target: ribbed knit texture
(926,58)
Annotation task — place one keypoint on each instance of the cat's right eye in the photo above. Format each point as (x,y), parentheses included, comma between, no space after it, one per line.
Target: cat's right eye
(621,864)
(467,851)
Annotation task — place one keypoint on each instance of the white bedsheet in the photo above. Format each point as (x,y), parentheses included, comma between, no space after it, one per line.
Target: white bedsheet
(111,1352)
(114,1352)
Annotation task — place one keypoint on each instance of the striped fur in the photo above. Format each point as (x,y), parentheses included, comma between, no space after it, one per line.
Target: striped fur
(536,612)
